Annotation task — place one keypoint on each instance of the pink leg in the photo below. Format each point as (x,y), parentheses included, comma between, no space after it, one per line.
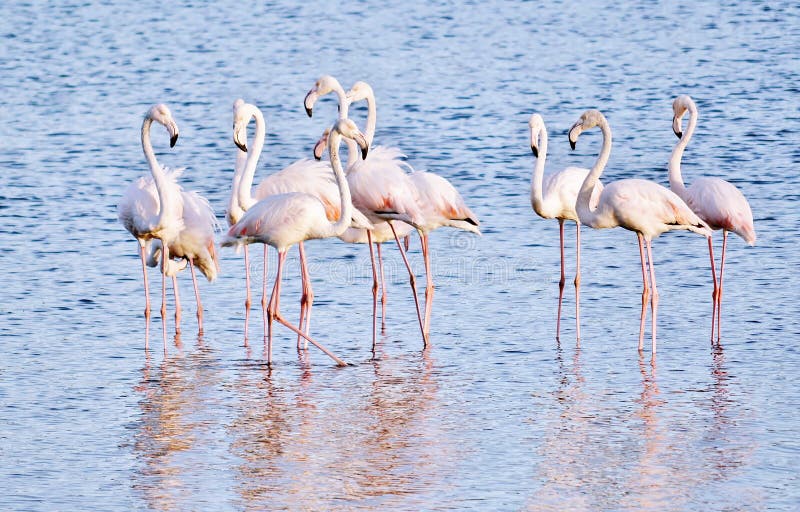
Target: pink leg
(307,299)
(645,292)
(374,290)
(272,307)
(264,314)
(429,286)
(164,259)
(197,298)
(177,305)
(383,290)
(146,285)
(578,281)
(247,301)
(719,291)
(714,291)
(413,281)
(562,281)
(654,299)
(274,312)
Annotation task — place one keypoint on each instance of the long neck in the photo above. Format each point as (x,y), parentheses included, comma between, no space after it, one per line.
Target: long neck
(157,171)
(346,203)
(246,199)
(538,174)
(235,211)
(675,177)
(585,213)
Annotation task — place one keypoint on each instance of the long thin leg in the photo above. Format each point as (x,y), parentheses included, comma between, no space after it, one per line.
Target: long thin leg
(273,302)
(274,313)
(645,291)
(578,281)
(197,298)
(374,290)
(654,298)
(164,259)
(562,281)
(383,289)
(719,291)
(264,315)
(429,289)
(247,301)
(307,299)
(177,304)
(146,284)
(714,291)
(413,281)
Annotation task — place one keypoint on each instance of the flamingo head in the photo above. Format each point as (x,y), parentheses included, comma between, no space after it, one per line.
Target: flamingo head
(587,121)
(679,107)
(359,91)
(242,114)
(160,113)
(319,147)
(324,85)
(347,128)
(536,125)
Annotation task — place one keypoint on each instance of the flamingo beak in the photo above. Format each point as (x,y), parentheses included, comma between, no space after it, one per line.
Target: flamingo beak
(319,147)
(240,137)
(362,143)
(309,101)
(574,132)
(535,150)
(676,126)
(173,133)
(173,140)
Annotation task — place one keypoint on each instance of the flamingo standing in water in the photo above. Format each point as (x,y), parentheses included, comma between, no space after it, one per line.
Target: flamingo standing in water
(554,198)
(637,205)
(282,220)
(304,175)
(381,190)
(156,208)
(719,203)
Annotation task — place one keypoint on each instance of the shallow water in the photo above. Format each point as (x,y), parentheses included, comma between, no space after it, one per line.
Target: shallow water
(495,415)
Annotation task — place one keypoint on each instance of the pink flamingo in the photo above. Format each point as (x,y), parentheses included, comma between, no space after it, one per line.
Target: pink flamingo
(719,203)
(554,198)
(637,205)
(381,190)
(285,219)
(305,175)
(156,208)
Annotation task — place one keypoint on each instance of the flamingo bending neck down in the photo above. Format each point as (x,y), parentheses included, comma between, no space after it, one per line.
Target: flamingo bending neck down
(304,175)
(381,188)
(285,219)
(554,198)
(719,203)
(156,208)
(637,205)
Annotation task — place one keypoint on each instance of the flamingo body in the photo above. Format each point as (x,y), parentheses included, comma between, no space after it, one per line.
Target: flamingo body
(441,204)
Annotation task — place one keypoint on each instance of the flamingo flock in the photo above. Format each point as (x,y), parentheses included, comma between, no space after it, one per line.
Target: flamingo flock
(376,197)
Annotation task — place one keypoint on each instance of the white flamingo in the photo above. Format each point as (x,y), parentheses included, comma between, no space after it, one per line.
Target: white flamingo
(282,220)
(638,205)
(381,190)
(554,198)
(719,203)
(156,208)
(305,175)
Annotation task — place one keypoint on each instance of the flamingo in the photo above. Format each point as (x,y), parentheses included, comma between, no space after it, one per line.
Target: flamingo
(304,175)
(381,188)
(554,198)
(637,205)
(181,223)
(719,203)
(282,220)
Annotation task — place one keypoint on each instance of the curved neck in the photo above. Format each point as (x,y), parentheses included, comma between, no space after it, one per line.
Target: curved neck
(246,199)
(585,213)
(675,177)
(156,170)
(538,173)
(235,211)
(372,118)
(346,203)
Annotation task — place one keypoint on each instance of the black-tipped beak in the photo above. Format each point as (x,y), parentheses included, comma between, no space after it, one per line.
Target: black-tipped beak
(535,151)
(571,143)
(678,134)
(173,140)
(309,112)
(364,151)
(308,102)
(239,145)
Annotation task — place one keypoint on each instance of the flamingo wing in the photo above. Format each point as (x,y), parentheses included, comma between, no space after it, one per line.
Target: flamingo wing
(723,206)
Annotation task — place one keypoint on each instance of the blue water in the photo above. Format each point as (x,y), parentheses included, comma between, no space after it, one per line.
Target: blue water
(495,415)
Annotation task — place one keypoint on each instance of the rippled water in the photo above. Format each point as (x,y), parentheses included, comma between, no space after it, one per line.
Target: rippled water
(495,415)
